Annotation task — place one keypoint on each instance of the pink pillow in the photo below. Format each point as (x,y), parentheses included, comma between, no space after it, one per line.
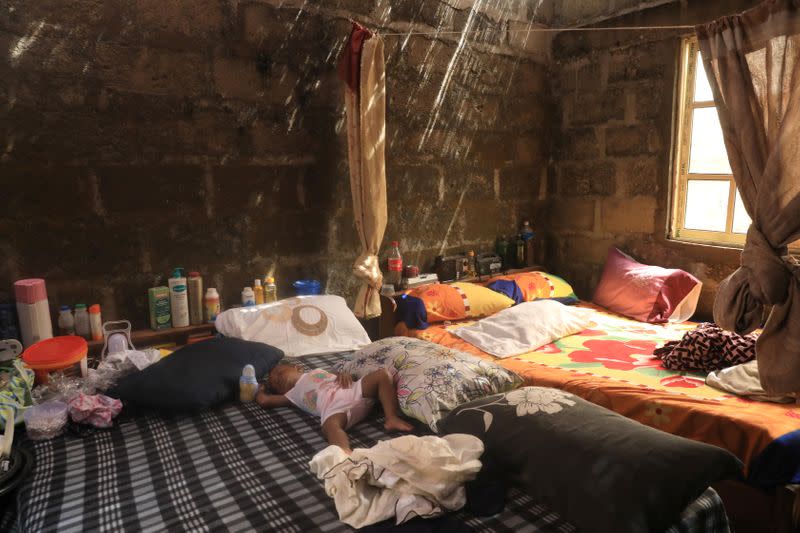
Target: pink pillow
(646,293)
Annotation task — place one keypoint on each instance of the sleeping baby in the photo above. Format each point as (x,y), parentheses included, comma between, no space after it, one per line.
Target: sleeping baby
(336,399)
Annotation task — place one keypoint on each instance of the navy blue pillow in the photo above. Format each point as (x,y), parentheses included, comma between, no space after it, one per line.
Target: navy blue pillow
(411,311)
(196,377)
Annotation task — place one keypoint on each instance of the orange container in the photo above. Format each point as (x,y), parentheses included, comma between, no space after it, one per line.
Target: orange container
(59,354)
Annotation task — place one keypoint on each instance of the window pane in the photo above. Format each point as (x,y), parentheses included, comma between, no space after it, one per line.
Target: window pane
(702,89)
(708,155)
(741,220)
(707,204)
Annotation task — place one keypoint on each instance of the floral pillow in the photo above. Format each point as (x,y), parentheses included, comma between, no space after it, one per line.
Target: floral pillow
(597,469)
(431,380)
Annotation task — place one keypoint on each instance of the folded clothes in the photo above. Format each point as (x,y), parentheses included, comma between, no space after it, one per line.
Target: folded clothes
(707,348)
(743,380)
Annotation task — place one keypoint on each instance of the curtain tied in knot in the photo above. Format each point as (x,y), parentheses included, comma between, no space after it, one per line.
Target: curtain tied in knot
(368,269)
(763,279)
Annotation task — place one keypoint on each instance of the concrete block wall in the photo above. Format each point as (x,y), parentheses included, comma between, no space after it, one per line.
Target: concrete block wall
(612,172)
(140,135)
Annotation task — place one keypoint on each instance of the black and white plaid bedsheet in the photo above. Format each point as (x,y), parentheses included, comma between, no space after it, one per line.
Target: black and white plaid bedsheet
(237,468)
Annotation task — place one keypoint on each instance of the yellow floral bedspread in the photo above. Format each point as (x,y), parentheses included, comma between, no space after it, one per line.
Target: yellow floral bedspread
(612,364)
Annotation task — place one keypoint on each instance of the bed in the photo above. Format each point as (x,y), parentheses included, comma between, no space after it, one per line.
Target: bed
(611,364)
(234,468)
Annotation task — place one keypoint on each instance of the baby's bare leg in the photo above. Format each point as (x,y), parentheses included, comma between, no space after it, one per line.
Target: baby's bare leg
(334,432)
(379,384)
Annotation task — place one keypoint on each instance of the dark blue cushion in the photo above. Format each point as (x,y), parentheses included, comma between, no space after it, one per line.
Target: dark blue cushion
(411,311)
(196,377)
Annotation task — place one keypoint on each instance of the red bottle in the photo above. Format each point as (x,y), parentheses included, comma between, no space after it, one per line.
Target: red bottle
(395,260)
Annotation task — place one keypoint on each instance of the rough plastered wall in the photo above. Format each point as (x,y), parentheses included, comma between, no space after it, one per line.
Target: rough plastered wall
(140,135)
(612,164)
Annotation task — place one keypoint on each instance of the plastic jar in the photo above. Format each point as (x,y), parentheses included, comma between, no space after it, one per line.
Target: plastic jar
(46,420)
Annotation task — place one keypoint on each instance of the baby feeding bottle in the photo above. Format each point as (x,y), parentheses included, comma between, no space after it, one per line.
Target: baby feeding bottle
(248,386)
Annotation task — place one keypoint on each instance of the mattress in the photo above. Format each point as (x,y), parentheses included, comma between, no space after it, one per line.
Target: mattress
(235,468)
(612,364)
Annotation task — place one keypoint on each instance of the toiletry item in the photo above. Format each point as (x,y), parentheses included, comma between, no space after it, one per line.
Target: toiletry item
(519,252)
(66,322)
(82,327)
(178,299)
(33,310)
(248,297)
(258,289)
(95,322)
(160,314)
(501,248)
(195,298)
(248,386)
(212,304)
(270,291)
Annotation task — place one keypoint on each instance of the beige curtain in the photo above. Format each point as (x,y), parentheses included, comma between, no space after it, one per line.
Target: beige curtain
(366,138)
(752,63)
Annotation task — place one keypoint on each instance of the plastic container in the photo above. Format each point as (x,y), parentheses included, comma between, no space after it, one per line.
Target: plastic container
(158,303)
(307,287)
(33,310)
(195,298)
(46,420)
(66,322)
(82,327)
(60,354)
(248,297)
(258,290)
(212,304)
(95,322)
(178,299)
(270,291)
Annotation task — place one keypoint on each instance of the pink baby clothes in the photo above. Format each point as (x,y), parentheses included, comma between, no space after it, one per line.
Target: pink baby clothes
(316,392)
(96,410)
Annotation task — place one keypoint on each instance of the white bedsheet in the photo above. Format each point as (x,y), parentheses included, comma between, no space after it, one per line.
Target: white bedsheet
(403,477)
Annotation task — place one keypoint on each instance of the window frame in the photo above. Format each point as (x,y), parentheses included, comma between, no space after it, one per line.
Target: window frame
(680,163)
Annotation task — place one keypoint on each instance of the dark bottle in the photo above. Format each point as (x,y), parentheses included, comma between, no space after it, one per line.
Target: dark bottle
(519,252)
(501,248)
(526,232)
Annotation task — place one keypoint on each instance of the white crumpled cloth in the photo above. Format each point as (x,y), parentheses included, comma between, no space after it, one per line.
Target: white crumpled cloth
(403,477)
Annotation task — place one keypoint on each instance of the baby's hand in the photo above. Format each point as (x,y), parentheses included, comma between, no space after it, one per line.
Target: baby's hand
(344,380)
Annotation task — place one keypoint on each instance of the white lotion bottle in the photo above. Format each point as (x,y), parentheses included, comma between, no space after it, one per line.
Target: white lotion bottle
(179,299)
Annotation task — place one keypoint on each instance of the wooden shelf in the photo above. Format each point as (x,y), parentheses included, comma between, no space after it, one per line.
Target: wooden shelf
(143,338)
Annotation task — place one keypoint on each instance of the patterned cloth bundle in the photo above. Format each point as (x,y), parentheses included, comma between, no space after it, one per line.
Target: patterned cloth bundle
(707,348)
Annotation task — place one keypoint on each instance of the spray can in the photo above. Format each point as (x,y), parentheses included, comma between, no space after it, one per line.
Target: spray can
(178,299)
(195,298)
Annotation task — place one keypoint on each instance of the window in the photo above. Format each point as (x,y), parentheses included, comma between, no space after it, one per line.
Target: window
(706,205)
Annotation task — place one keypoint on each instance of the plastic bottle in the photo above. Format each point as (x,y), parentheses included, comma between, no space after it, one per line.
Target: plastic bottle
(270,291)
(248,297)
(195,298)
(82,327)
(472,270)
(248,386)
(501,248)
(95,322)
(258,289)
(518,251)
(178,299)
(395,261)
(212,304)
(526,232)
(66,322)
(33,310)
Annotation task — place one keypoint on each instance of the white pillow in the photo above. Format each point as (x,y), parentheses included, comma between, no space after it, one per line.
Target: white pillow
(304,325)
(525,327)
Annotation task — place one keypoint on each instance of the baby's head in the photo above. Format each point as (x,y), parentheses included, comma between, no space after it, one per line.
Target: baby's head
(283,377)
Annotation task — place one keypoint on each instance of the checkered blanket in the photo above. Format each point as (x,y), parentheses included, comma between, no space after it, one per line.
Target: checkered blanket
(234,468)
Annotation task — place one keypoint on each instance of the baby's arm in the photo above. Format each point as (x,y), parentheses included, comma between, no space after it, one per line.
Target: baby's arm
(268,401)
